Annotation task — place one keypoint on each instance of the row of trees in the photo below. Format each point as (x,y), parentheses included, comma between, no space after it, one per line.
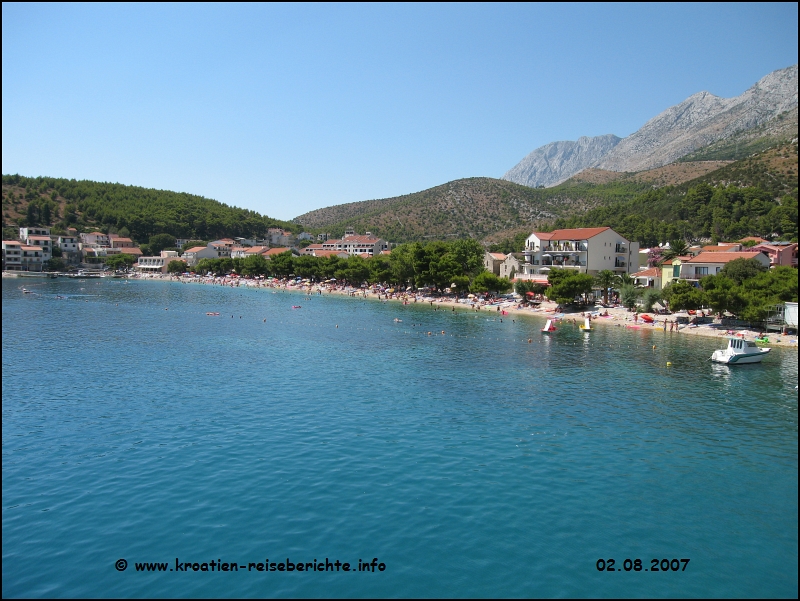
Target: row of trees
(743,288)
(435,264)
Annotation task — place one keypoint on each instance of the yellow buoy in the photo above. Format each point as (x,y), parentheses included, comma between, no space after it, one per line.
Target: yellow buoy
(669,363)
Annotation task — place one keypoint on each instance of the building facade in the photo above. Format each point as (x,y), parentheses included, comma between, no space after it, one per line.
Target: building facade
(585,250)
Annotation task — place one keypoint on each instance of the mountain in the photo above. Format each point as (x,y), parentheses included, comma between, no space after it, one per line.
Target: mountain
(746,197)
(701,120)
(472,207)
(750,141)
(697,122)
(552,163)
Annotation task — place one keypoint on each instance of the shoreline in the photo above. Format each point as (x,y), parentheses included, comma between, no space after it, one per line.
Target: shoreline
(616,316)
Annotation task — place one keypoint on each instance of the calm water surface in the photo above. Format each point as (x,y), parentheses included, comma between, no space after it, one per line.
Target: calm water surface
(471,463)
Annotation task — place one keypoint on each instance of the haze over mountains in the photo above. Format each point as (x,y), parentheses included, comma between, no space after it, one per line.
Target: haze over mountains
(700,120)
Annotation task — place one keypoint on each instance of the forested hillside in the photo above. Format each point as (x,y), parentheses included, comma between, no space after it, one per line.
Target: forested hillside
(473,207)
(755,196)
(142,212)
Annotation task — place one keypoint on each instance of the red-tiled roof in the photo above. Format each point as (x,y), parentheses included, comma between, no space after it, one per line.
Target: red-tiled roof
(578,233)
(723,257)
(274,251)
(498,256)
(653,272)
(256,250)
(195,249)
(131,250)
(718,248)
(359,239)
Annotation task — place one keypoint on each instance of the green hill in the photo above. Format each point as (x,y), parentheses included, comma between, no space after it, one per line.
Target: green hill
(143,212)
(466,208)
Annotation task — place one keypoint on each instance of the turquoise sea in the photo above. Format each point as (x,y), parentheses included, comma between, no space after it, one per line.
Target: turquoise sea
(469,463)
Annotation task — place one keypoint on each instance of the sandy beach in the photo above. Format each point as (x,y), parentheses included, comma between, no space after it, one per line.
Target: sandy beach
(601,317)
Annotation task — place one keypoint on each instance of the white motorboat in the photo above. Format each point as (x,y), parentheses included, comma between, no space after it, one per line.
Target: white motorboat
(740,351)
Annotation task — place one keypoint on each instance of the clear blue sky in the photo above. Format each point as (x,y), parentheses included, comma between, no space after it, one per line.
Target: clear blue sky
(286,108)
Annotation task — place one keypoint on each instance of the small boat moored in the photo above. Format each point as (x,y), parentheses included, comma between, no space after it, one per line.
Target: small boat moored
(740,351)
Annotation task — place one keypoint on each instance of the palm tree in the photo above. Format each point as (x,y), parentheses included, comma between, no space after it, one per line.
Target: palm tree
(623,279)
(604,280)
(677,248)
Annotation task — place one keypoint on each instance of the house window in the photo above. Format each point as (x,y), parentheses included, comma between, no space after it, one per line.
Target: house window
(676,271)
(701,270)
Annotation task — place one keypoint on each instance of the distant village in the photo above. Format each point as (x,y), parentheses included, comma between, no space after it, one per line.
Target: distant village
(36,246)
(584,250)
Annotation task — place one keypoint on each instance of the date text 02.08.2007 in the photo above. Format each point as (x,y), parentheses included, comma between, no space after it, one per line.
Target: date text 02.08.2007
(635,565)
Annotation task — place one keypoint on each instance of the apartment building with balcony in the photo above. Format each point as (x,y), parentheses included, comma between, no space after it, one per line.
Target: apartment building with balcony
(586,250)
(12,255)
(40,237)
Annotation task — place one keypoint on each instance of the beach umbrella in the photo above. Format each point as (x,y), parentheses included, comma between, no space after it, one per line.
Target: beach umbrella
(470,296)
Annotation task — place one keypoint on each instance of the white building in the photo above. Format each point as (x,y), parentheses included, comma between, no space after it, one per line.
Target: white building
(12,255)
(26,232)
(711,263)
(355,244)
(214,250)
(96,240)
(32,258)
(157,264)
(44,243)
(38,236)
(67,244)
(586,250)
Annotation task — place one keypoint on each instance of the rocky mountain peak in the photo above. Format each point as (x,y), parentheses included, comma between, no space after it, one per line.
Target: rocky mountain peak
(553,163)
(698,121)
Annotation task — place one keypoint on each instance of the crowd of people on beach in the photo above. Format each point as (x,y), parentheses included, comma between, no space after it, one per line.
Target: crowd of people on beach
(504,305)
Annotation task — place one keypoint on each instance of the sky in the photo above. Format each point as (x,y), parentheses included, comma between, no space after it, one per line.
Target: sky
(286,108)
